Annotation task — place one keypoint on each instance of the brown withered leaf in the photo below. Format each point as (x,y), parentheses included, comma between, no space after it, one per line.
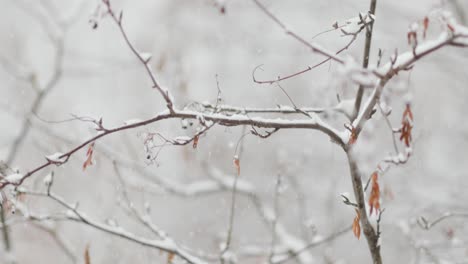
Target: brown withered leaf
(195,141)
(89,155)
(237,164)
(357,225)
(406,126)
(87,257)
(170,257)
(374,199)
(412,38)
(408,113)
(353,136)
(406,133)
(425,26)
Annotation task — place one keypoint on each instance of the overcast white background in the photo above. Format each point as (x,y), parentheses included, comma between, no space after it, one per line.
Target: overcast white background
(191,42)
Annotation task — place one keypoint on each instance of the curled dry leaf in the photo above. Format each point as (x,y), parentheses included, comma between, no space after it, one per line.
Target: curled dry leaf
(412,38)
(407,113)
(89,155)
(195,141)
(170,257)
(407,126)
(87,257)
(356,225)
(352,136)
(374,199)
(237,164)
(425,26)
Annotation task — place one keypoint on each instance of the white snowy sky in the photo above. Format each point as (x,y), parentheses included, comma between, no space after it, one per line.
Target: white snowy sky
(191,42)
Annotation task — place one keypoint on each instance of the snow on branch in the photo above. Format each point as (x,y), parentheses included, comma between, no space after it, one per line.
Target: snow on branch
(314,123)
(166,243)
(209,115)
(401,62)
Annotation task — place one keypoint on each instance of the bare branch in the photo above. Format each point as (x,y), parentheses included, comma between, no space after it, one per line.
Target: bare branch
(314,123)
(315,243)
(166,244)
(145,61)
(369,232)
(399,63)
(309,68)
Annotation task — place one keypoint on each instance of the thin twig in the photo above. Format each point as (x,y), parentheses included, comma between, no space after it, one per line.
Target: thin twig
(295,254)
(425,224)
(288,31)
(167,244)
(59,241)
(145,61)
(309,68)
(275,217)
(238,151)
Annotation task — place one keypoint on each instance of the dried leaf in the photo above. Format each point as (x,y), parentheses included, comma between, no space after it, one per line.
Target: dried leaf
(237,164)
(425,25)
(407,113)
(195,141)
(170,257)
(412,38)
(374,199)
(406,133)
(353,136)
(356,225)
(87,257)
(406,126)
(89,155)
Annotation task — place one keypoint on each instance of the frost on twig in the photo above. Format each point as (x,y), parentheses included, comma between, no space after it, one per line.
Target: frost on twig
(57,158)
(14,178)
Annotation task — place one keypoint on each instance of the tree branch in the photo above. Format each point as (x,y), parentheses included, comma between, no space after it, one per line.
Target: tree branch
(365,59)
(166,244)
(369,232)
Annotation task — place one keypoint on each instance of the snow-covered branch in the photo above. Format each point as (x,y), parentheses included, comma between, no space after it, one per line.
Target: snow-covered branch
(166,244)
(314,123)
